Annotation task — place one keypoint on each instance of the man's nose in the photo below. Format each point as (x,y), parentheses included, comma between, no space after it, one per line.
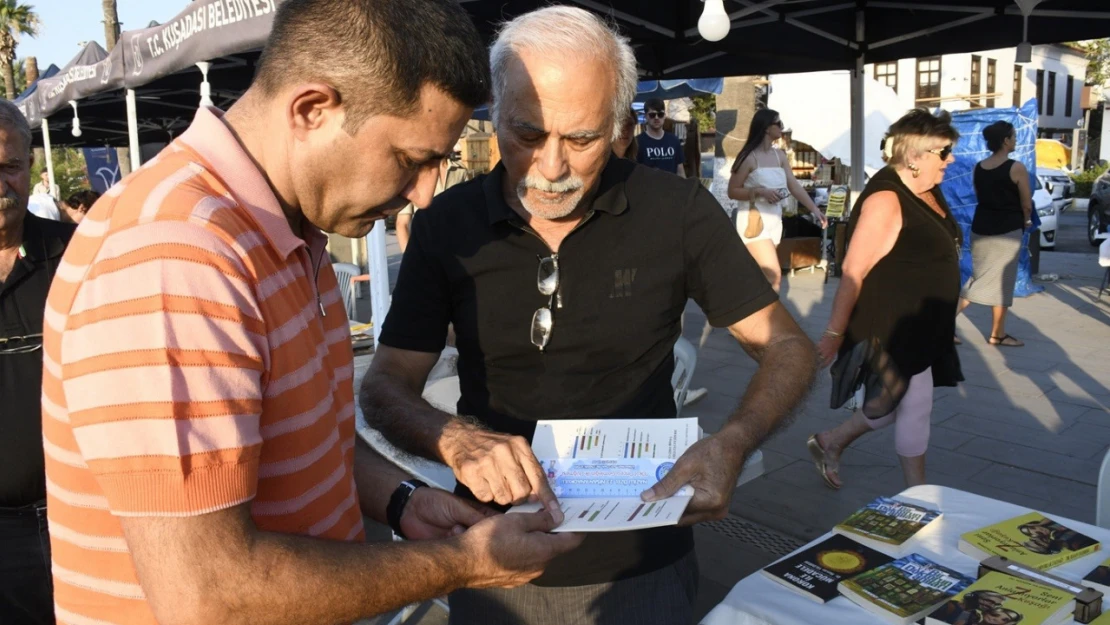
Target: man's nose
(552,161)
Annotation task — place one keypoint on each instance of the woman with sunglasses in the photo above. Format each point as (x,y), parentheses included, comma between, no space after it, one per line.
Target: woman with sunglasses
(1003,213)
(892,320)
(761,181)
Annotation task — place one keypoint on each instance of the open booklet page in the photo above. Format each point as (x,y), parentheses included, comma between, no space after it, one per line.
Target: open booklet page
(598,468)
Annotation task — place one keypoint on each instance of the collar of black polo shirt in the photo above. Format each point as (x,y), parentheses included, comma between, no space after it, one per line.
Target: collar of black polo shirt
(609,196)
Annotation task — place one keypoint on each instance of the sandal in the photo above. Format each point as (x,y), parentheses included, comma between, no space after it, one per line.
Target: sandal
(1005,341)
(821,461)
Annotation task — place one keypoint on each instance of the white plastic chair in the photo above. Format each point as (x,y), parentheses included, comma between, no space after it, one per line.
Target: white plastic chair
(344,272)
(1102,497)
(685,359)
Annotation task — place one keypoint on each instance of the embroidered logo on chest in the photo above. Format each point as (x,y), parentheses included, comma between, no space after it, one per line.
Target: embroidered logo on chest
(622,283)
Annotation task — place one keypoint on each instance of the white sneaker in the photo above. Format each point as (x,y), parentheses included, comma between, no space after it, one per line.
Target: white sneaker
(695,395)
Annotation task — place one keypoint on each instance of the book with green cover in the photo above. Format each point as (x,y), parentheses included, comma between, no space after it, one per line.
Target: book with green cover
(1099,577)
(1000,599)
(885,523)
(905,590)
(1031,539)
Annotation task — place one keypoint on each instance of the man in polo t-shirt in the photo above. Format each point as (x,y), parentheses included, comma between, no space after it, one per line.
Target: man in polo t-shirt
(202,464)
(620,249)
(657,147)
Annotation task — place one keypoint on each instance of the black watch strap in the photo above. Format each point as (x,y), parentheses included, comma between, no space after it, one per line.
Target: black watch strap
(397,502)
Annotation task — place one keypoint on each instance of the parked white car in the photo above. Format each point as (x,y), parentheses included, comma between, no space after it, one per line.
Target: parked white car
(1048,210)
(1059,184)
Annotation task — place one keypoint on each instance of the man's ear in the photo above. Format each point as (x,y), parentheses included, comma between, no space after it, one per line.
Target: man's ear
(311,105)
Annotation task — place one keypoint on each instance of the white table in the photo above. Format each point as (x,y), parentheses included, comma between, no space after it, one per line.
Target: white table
(756,600)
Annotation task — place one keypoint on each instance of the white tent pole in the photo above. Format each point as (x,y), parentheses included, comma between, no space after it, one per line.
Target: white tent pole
(133,131)
(49,157)
(858,119)
(379,277)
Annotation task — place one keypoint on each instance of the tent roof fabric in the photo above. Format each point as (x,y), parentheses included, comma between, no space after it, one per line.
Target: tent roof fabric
(786,36)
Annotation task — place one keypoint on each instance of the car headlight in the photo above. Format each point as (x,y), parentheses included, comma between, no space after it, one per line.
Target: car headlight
(1047,211)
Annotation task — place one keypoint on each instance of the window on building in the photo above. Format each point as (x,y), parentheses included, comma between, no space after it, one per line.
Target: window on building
(1050,97)
(1018,75)
(1040,92)
(887,74)
(976,71)
(1070,95)
(928,79)
(991,83)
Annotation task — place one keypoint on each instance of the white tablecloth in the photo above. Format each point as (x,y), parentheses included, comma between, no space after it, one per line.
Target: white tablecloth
(756,600)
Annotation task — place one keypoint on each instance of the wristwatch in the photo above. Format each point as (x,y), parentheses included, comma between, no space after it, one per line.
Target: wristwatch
(397,502)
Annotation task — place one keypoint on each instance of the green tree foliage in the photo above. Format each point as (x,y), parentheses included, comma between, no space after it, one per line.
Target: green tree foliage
(15,19)
(705,111)
(1098,60)
(70,172)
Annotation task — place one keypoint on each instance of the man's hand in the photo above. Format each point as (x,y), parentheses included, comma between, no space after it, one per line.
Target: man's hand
(496,467)
(711,466)
(508,550)
(433,513)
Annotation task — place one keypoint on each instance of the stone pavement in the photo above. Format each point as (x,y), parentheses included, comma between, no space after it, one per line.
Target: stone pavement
(1030,425)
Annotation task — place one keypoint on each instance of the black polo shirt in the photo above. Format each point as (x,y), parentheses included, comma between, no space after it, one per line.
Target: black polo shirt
(22,301)
(649,242)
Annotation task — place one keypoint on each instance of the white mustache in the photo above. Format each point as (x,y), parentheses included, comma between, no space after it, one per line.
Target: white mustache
(538,183)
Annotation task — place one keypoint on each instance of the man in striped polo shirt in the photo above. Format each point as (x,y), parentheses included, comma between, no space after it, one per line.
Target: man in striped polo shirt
(198,411)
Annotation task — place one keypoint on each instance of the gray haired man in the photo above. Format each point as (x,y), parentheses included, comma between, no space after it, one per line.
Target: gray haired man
(624,247)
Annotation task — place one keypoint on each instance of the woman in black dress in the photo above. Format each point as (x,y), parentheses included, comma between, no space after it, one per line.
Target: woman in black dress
(893,317)
(1005,206)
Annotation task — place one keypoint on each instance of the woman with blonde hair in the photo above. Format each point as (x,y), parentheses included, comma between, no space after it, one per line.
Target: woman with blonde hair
(761,181)
(891,326)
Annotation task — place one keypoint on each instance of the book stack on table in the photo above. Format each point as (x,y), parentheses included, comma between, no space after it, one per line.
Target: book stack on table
(870,560)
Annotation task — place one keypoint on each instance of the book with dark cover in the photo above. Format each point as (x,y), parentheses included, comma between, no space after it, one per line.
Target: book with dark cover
(905,590)
(815,572)
(887,523)
(1031,539)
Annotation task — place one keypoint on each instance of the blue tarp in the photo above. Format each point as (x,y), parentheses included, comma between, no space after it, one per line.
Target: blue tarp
(959,190)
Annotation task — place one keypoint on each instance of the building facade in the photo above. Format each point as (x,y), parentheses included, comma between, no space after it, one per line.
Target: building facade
(993,78)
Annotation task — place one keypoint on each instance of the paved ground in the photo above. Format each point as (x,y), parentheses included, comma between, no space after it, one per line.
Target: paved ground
(1071,231)
(1030,425)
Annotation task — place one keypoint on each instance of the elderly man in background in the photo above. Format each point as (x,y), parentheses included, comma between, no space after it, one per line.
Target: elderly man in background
(565,273)
(202,465)
(30,250)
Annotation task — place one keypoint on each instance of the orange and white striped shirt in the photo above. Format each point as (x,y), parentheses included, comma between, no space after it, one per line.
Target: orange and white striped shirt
(196,356)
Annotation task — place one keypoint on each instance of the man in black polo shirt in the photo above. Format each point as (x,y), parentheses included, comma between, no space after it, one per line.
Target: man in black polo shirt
(30,250)
(565,273)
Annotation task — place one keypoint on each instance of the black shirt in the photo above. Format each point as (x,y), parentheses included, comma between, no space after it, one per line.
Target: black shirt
(650,241)
(663,153)
(22,301)
(999,209)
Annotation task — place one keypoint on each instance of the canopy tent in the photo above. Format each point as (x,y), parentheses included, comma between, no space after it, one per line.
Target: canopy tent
(28,104)
(92,71)
(673,89)
(786,36)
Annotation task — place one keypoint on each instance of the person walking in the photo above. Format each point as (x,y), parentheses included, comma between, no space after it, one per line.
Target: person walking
(198,415)
(761,181)
(892,320)
(1001,217)
(30,252)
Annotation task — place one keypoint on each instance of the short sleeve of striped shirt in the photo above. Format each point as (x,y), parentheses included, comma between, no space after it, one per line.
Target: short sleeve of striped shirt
(162,359)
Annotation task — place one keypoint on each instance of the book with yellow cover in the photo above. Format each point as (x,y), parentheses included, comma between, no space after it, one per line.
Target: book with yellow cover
(1031,539)
(1005,600)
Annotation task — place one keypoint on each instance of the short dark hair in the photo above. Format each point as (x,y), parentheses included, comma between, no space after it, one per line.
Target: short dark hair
(996,134)
(378,54)
(655,104)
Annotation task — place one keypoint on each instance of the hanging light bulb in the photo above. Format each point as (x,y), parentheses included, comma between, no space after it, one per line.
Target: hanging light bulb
(76,120)
(205,86)
(713,25)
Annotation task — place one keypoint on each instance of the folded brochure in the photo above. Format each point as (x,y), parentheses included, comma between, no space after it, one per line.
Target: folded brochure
(598,468)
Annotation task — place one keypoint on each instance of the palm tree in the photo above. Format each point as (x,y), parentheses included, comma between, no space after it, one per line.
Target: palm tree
(15,20)
(111,23)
